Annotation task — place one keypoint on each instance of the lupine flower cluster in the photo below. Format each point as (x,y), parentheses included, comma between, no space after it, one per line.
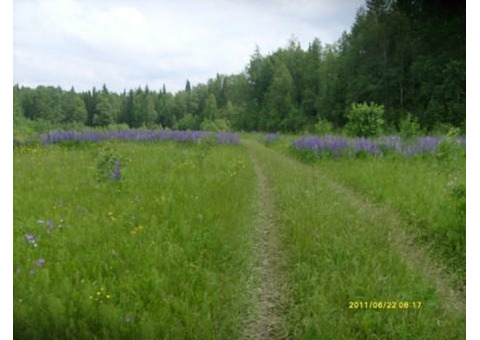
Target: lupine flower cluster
(139,135)
(339,146)
(335,146)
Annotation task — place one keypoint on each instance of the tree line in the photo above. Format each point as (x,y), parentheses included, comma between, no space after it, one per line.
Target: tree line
(408,56)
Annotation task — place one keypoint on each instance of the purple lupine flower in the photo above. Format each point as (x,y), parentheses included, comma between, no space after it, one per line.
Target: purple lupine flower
(116,174)
(227,138)
(365,145)
(32,239)
(40,262)
(138,135)
(333,145)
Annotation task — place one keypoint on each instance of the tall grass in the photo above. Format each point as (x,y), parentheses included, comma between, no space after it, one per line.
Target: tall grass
(429,195)
(337,252)
(164,252)
(424,180)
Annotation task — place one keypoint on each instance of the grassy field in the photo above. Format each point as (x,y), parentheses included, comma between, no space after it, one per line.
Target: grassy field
(162,253)
(206,241)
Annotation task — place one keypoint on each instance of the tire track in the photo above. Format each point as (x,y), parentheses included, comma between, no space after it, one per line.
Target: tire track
(265,321)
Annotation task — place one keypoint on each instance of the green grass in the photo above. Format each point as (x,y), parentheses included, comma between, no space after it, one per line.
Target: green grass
(168,251)
(423,190)
(339,253)
(427,191)
(163,253)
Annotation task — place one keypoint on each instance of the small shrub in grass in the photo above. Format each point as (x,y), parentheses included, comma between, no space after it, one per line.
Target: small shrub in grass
(109,164)
(323,127)
(365,120)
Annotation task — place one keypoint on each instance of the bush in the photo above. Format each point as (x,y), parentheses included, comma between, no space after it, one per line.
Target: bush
(215,125)
(450,150)
(187,122)
(109,163)
(409,127)
(365,120)
(323,127)
(441,129)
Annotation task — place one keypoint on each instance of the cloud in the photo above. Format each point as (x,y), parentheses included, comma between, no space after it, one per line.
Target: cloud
(130,43)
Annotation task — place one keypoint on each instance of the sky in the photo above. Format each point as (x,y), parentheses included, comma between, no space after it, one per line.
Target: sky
(126,44)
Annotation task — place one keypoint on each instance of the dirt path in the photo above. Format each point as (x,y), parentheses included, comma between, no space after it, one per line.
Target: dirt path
(265,322)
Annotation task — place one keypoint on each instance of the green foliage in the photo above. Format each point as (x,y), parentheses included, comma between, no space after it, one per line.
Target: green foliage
(109,163)
(365,120)
(210,111)
(441,129)
(216,125)
(104,112)
(449,151)
(73,107)
(187,122)
(323,127)
(282,114)
(409,127)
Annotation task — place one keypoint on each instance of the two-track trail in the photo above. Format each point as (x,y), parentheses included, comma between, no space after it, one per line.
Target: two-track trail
(265,322)
(320,248)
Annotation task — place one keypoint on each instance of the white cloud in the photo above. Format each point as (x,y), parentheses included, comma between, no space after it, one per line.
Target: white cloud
(130,43)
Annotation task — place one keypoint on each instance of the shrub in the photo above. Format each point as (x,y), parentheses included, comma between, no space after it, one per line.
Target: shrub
(215,125)
(187,122)
(323,127)
(450,149)
(365,120)
(409,127)
(109,163)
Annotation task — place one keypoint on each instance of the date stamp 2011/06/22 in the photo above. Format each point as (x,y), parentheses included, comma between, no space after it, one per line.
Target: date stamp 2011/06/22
(385,304)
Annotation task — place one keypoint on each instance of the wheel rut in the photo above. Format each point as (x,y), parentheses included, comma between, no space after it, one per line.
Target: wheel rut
(269,296)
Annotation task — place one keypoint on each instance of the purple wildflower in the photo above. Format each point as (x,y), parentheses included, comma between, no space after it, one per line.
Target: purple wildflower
(137,135)
(40,262)
(334,146)
(116,174)
(32,239)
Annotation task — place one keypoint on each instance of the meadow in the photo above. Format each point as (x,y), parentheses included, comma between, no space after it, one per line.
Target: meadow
(164,252)
(162,235)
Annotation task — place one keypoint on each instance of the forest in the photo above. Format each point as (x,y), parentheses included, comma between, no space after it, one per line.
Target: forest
(405,56)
